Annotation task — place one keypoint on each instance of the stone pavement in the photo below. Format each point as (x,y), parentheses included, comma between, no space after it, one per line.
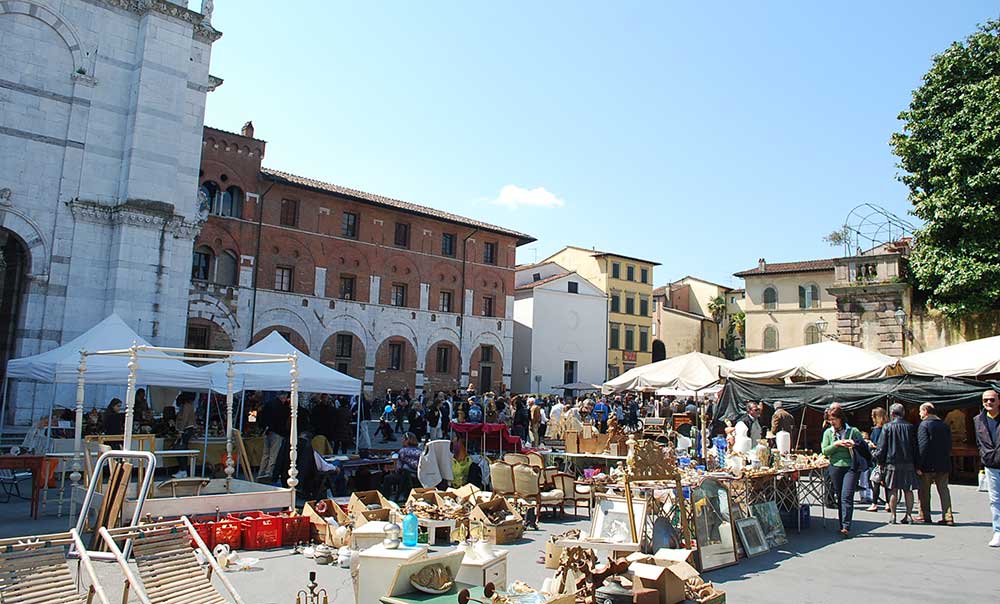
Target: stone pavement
(882,563)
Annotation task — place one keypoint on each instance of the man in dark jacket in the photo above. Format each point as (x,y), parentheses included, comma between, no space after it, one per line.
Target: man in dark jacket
(933,463)
(988,438)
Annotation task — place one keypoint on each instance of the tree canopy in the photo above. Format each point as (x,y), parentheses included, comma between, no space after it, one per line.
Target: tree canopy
(950,151)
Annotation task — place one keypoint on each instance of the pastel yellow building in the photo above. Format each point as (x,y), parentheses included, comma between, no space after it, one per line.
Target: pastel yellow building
(787,304)
(628,282)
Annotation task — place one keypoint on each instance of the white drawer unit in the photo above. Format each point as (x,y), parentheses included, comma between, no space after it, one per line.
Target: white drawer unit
(480,572)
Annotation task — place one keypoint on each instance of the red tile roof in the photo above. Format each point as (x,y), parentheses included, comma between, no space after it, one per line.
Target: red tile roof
(535,284)
(804,266)
(405,206)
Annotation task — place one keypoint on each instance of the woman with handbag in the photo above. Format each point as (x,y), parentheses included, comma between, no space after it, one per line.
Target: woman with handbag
(897,453)
(843,444)
(877,477)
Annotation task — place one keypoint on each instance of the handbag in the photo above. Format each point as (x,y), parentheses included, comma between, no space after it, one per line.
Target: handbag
(877,475)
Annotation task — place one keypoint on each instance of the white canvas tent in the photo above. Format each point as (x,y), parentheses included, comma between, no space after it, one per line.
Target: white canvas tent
(692,371)
(968,359)
(822,361)
(313,375)
(689,393)
(61,365)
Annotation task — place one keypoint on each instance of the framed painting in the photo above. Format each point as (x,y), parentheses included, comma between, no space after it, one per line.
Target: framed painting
(770,523)
(751,536)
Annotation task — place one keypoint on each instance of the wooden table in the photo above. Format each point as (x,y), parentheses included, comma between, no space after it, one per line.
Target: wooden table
(34,463)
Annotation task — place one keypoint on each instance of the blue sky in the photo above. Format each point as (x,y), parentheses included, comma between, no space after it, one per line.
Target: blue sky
(699,135)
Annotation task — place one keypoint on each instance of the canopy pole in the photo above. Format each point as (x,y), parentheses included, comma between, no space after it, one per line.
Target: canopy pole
(802,423)
(357,432)
(243,400)
(133,368)
(76,475)
(230,469)
(208,419)
(4,392)
(293,432)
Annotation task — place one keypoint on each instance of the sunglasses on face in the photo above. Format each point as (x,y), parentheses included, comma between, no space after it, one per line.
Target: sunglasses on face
(991,399)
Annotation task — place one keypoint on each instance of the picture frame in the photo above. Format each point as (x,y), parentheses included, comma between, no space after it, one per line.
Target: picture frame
(611,519)
(770,523)
(712,510)
(751,537)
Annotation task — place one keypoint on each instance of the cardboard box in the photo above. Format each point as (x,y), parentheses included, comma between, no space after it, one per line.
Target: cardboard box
(669,557)
(322,531)
(465,492)
(717,598)
(653,577)
(428,495)
(643,595)
(358,507)
(676,576)
(501,533)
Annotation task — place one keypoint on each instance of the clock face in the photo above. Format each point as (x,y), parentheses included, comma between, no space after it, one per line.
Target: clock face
(573,319)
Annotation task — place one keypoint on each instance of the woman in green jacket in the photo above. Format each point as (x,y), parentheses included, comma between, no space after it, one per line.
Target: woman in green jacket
(839,441)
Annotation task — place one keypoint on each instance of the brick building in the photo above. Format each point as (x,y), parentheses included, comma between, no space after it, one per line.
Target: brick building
(394,293)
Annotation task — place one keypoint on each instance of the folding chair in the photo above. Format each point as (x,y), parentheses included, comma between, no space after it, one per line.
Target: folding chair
(35,570)
(10,482)
(169,571)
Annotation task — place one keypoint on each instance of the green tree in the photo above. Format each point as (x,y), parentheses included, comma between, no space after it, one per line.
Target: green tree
(717,307)
(950,151)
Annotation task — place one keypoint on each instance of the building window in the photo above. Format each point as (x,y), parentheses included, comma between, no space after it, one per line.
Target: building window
(770,338)
(615,342)
(629,304)
(812,334)
(643,339)
(644,275)
(443,359)
(536,277)
(289,212)
(228,203)
(197,337)
(402,237)
(569,372)
(770,298)
(398,295)
(489,253)
(808,296)
(629,338)
(444,301)
(616,304)
(342,366)
(644,307)
(349,225)
(226,272)
(345,345)
(283,278)
(488,309)
(201,265)
(486,354)
(573,287)
(211,192)
(630,273)
(347,284)
(395,356)
(616,270)
(448,244)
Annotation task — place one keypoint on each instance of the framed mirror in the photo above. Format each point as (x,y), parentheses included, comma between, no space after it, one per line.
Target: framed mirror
(714,526)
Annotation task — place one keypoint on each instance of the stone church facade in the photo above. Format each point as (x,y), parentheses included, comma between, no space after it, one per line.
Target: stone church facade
(101,113)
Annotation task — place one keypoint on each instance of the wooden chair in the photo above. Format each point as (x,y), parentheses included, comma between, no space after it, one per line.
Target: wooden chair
(536,460)
(502,478)
(528,489)
(169,571)
(516,458)
(564,484)
(35,570)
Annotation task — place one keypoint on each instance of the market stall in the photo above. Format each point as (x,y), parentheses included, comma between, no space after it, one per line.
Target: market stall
(693,371)
(492,437)
(968,359)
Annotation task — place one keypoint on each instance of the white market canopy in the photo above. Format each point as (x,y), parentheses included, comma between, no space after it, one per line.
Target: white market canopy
(688,393)
(692,371)
(822,361)
(968,359)
(577,386)
(313,375)
(61,365)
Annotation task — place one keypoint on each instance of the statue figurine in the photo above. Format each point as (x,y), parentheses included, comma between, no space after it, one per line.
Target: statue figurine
(207,8)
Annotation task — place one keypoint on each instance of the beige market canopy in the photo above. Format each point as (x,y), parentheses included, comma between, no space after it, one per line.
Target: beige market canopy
(969,359)
(691,371)
(822,361)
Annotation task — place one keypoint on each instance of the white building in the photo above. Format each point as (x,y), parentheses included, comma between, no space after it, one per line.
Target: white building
(101,112)
(560,329)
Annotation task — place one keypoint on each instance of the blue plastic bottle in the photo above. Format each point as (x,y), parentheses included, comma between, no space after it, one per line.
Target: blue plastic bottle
(410,530)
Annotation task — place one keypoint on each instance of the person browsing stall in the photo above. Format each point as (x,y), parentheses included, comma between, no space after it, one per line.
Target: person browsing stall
(988,438)
(840,442)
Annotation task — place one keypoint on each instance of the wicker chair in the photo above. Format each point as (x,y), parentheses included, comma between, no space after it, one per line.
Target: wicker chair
(34,570)
(169,571)
(502,478)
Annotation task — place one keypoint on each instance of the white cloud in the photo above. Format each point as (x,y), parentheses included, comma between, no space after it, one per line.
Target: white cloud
(513,196)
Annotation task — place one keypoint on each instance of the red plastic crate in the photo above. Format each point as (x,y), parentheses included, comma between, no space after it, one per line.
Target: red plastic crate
(260,530)
(224,530)
(295,529)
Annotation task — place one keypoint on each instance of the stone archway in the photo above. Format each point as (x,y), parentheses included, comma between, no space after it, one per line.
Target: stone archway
(659,350)
(293,337)
(442,368)
(345,352)
(395,366)
(15,261)
(486,369)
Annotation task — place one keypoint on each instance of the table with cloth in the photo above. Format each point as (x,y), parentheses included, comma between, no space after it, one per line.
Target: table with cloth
(493,437)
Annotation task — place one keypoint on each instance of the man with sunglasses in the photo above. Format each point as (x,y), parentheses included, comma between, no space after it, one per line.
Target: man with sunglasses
(988,438)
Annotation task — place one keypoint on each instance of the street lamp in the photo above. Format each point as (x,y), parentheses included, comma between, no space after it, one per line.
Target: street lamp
(821,325)
(900,315)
